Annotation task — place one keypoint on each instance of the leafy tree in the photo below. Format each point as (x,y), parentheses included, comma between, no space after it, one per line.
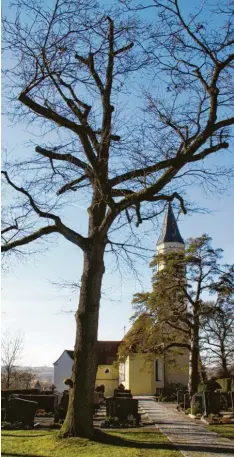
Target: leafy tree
(218,339)
(69,75)
(172,315)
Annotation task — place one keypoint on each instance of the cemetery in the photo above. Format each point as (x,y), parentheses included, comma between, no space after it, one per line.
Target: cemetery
(31,408)
(212,406)
(120,421)
(26,410)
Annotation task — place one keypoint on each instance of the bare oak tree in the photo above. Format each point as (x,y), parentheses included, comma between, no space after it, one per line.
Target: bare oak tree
(71,64)
(12,347)
(218,339)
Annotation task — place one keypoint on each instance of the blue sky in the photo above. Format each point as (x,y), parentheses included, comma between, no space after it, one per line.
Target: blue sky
(31,302)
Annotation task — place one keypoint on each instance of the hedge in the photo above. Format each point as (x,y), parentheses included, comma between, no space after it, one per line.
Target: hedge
(227,384)
(46,402)
(6,393)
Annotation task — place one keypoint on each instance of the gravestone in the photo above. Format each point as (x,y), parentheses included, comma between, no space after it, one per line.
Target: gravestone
(97,400)
(211,403)
(122,407)
(3,408)
(20,410)
(186,400)
(231,397)
(62,407)
(180,397)
(122,395)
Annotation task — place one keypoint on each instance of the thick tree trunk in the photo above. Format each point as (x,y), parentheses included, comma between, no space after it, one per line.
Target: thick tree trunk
(79,420)
(225,371)
(8,379)
(194,363)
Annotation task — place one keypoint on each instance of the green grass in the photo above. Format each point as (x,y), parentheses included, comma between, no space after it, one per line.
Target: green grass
(226,431)
(130,443)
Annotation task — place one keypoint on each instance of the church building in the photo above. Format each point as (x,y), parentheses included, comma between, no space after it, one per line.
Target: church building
(142,374)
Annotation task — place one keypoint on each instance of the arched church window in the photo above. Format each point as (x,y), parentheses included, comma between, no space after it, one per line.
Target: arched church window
(158,370)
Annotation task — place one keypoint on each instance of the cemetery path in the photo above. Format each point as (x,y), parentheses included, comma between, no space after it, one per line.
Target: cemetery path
(190,437)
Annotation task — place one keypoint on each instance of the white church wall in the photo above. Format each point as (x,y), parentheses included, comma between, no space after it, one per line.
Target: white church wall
(62,370)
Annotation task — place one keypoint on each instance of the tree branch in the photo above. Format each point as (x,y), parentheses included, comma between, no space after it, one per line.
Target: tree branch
(123,49)
(50,114)
(176,345)
(52,155)
(68,233)
(71,184)
(177,161)
(31,201)
(8,229)
(32,237)
(89,63)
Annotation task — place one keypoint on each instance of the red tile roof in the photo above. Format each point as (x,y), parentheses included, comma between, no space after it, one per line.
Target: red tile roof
(107,352)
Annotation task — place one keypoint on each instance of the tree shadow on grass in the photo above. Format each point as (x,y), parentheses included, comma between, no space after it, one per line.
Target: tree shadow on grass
(120,441)
(107,438)
(24,436)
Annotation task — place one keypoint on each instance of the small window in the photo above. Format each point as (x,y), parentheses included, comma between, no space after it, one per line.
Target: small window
(158,371)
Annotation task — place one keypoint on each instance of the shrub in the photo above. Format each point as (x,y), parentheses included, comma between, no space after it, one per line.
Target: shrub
(115,422)
(6,425)
(14,426)
(232,385)
(176,386)
(196,408)
(224,401)
(210,385)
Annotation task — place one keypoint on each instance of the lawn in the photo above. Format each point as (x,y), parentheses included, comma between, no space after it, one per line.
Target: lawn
(130,443)
(226,431)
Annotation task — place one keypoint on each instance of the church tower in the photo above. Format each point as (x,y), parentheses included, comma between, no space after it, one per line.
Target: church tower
(170,238)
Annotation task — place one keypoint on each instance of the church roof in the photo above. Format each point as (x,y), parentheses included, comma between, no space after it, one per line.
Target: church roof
(106,352)
(170,232)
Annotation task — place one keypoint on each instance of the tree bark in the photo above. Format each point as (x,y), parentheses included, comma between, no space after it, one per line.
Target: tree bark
(224,361)
(194,361)
(79,420)
(8,379)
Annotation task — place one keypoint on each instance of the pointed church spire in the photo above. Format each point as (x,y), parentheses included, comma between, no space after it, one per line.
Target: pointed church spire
(170,232)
